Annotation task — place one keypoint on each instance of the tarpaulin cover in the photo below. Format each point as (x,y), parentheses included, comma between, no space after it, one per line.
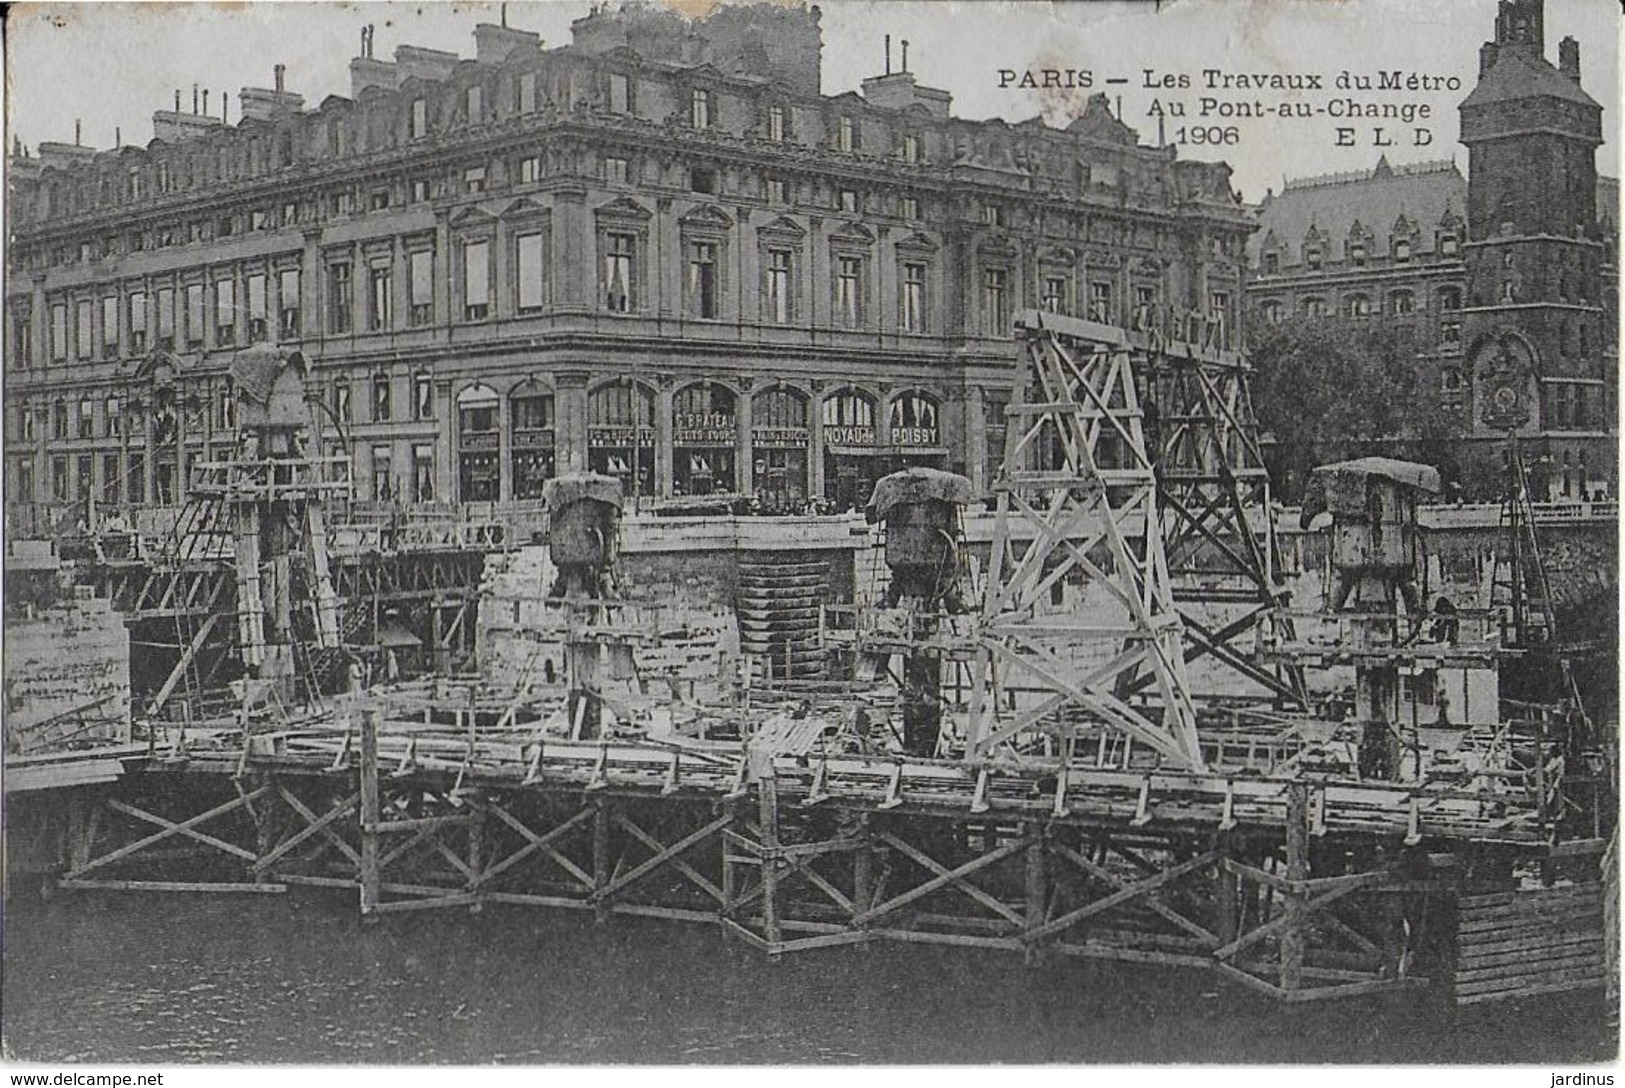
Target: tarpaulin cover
(918,485)
(254,371)
(564,490)
(1356,472)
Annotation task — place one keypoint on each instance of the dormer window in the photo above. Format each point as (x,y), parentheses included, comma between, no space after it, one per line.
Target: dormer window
(1402,249)
(1313,258)
(775,123)
(1272,263)
(700,108)
(620,93)
(476,104)
(911,148)
(846,135)
(1357,253)
(1449,244)
(420,118)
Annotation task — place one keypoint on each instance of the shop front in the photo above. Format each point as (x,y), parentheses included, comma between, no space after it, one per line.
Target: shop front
(621,436)
(479,445)
(914,434)
(531,441)
(779,439)
(852,452)
(705,441)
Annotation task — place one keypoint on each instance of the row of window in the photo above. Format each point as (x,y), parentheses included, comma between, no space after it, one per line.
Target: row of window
(230,311)
(83,420)
(1358,304)
(526,170)
(251,154)
(222,312)
(1446,243)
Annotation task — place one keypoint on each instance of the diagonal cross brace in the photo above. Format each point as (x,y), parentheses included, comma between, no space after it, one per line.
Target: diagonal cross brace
(170,829)
(535,843)
(1126,892)
(664,854)
(312,827)
(943,879)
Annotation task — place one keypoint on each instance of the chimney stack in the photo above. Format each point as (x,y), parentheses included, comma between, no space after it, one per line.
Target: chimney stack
(1487,54)
(1568,58)
(281,71)
(194,99)
(493,44)
(888,54)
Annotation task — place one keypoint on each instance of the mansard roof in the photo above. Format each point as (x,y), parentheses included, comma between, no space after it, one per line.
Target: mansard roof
(1426,194)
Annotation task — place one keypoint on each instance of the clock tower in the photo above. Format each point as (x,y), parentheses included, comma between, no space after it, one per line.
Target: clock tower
(1537,327)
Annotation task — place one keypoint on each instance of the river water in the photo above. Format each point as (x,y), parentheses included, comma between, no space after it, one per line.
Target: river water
(133,977)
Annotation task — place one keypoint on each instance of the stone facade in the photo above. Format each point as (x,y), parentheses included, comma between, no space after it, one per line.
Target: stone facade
(659,252)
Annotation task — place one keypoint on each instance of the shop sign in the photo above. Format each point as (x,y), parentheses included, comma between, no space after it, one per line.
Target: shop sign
(540,438)
(703,429)
(914,436)
(620,437)
(849,434)
(778,437)
(480,440)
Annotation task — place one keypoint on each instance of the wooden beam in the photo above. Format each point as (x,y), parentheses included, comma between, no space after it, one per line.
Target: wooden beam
(174,678)
(312,827)
(930,864)
(185,825)
(663,855)
(322,825)
(197,836)
(945,877)
(370,871)
(1127,892)
(170,886)
(539,843)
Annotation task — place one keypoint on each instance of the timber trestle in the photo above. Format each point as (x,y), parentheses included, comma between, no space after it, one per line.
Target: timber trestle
(1295,889)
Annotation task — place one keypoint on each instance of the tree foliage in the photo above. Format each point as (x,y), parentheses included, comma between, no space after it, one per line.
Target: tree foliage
(1327,390)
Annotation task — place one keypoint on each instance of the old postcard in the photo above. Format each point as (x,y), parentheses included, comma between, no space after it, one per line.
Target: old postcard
(865,533)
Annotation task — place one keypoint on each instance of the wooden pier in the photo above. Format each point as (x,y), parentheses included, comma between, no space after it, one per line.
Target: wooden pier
(1295,888)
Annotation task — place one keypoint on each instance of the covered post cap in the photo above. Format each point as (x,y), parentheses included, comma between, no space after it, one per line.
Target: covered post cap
(561,491)
(254,371)
(1423,478)
(913,485)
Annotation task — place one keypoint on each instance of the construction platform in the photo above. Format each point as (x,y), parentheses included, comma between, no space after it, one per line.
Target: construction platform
(1296,887)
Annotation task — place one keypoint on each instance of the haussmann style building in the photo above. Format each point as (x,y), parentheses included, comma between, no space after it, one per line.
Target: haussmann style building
(701,274)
